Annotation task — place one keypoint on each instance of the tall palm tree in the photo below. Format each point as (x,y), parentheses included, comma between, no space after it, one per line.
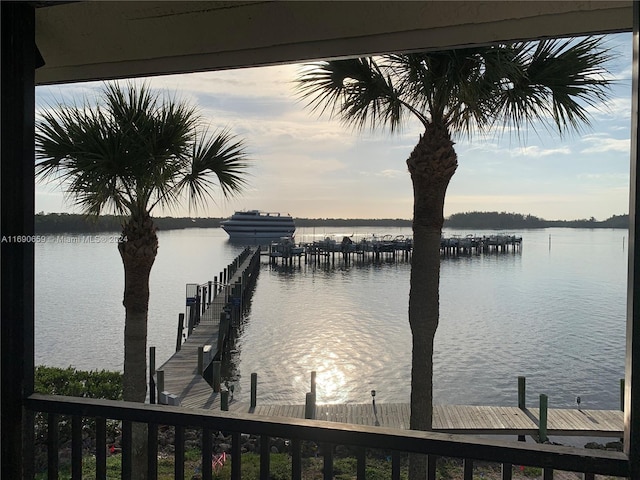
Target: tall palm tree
(128,155)
(457,92)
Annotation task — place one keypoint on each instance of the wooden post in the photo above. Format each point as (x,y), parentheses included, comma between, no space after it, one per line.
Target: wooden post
(180,330)
(200,360)
(159,382)
(152,371)
(522,383)
(224,400)
(622,394)
(209,288)
(310,406)
(216,366)
(254,389)
(542,428)
(313,382)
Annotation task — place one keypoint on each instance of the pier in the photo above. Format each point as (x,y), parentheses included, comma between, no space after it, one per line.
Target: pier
(475,245)
(384,247)
(191,377)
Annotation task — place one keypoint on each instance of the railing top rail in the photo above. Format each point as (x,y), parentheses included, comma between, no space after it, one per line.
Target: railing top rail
(441,444)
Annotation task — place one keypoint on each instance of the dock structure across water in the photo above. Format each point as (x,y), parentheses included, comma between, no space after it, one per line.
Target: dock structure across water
(472,244)
(346,249)
(384,247)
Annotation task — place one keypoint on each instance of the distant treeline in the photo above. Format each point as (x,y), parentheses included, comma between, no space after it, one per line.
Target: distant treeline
(504,220)
(74,223)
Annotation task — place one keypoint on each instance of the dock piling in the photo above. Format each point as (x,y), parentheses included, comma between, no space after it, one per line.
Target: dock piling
(159,383)
(522,383)
(180,330)
(542,429)
(152,371)
(310,406)
(216,367)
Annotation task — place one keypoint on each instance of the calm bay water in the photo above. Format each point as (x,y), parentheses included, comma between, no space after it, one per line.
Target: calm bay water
(554,312)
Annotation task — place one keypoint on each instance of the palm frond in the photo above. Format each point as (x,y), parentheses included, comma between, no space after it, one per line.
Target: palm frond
(358,91)
(559,81)
(125,154)
(217,160)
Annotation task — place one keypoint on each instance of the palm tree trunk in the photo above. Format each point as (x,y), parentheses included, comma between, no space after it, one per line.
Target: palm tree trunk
(138,249)
(431,165)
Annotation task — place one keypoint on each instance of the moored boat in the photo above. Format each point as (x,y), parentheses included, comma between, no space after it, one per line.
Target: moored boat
(258,224)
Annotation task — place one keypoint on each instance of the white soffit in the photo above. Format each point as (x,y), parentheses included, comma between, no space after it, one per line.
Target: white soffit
(106,39)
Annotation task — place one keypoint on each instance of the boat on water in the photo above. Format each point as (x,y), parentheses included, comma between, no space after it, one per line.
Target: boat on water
(258,224)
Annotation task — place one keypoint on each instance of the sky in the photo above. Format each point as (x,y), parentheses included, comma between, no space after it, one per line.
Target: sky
(312,166)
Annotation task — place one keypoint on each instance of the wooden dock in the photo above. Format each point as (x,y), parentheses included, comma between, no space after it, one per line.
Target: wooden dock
(186,378)
(460,419)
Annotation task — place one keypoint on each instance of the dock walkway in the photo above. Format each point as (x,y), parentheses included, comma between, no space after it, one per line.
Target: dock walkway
(179,380)
(460,419)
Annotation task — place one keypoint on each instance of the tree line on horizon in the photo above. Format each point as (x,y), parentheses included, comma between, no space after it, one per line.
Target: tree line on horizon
(77,223)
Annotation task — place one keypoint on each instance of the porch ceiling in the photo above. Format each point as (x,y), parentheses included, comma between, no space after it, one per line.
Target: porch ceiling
(107,39)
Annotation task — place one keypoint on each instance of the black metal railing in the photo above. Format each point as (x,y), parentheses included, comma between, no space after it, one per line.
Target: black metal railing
(327,434)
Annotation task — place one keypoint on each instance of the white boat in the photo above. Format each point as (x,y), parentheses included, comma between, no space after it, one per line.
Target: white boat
(257,224)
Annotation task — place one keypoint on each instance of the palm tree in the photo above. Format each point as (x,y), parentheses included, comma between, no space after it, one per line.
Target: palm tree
(457,92)
(129,155)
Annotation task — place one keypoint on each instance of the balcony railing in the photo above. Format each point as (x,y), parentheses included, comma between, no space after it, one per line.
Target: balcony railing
(467,448)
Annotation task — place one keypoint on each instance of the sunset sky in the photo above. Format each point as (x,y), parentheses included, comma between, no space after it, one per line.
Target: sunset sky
(314,167)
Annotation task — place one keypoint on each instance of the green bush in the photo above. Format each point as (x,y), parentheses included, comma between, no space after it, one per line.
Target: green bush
(75,383)
(78,383)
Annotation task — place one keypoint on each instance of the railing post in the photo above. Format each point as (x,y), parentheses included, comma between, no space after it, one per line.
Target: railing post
(313,382)
(178,466)
(224,400)
(467,469)
(152,451)
(296,459)
(432,462)
(361,469)
(542,427)
(76,446)
(53,445)
(207,454)
(395,465)
(265,457)
(254,388)
(327,453)
(236,455)
(506,469)
(622,394)
(101,448)
(126,459)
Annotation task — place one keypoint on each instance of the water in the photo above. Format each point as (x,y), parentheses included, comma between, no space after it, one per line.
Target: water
(554,312)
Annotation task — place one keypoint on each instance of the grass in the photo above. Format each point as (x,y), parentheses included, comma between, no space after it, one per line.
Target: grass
(378,468)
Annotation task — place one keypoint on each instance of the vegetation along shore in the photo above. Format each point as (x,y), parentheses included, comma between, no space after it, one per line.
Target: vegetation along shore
(72,223)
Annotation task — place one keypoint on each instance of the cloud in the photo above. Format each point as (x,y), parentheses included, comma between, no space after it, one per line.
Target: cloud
(600,143)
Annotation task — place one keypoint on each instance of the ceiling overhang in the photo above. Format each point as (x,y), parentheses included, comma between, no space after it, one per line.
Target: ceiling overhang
(105,39)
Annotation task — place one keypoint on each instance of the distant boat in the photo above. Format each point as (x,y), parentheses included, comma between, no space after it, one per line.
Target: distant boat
(257,224)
